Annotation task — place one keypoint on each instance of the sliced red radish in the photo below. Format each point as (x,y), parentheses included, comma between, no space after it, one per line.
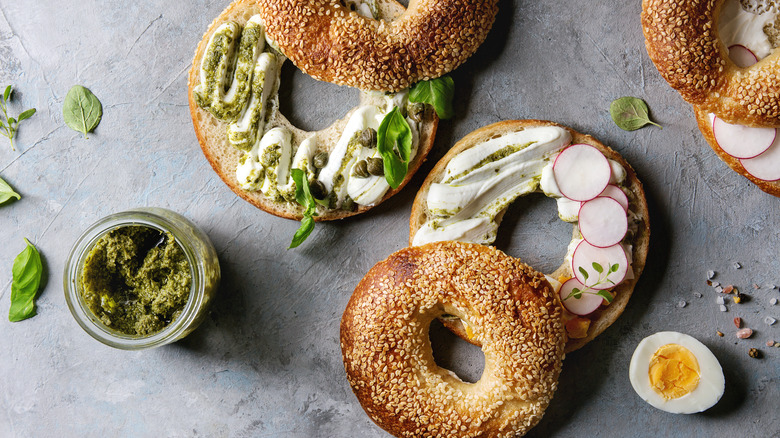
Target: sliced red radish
(588,260)
(576,301)
(614,192)
(741,141)
(765,166)
(603,222)
(741,56)
(582,172)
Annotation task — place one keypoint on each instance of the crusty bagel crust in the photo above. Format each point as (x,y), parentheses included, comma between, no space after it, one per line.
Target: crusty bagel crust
(705,126)
(388,357)
(682,39)
(601,318)
(212,136)
(329,42)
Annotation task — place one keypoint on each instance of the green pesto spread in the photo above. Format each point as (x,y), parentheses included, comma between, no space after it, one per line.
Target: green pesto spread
(136,280)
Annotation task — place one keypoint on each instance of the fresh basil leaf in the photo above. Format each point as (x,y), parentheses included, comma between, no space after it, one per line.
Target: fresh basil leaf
(27,271)
(583,272)
(303,197)
(307,226)
(436,92)
(7,93)
(394,143)
(604,294)
(6,192)
(630,113)
(26,114)
(82,110)
(597,267)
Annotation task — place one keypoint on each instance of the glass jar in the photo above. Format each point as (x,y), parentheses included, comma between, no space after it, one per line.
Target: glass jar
(204,269)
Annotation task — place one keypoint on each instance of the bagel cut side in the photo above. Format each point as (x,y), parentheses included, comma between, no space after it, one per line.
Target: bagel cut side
(605,315)
(330,42)
(683,41)
(387,351)
(224,158)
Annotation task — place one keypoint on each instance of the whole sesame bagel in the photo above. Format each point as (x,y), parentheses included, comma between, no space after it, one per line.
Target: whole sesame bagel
(635,242)
(705,126)
(217,119)
(388,357)
(329,41)
(683,40)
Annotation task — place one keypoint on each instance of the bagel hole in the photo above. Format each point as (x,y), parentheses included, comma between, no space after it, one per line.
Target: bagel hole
(301,99)
(532,231)
(453,353)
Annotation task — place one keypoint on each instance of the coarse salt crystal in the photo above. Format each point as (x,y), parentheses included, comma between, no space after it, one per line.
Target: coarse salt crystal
(681,303)
(771,286)
(773,301)
(744,333)
(737,265)
(723,308)
(697,295)
(710,275)
(720,300)
(755,286)
(715,284)
(719,289)
(770,343)
(769,320)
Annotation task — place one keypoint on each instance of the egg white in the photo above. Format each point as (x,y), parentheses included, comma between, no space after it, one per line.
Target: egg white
(711,380)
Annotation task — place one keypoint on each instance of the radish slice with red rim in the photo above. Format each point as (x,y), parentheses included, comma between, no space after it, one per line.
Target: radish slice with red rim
(614,192)
(765,166)
(741,56)
(582,172)
(741,141)
(599,268)
(603,222)
(579,299)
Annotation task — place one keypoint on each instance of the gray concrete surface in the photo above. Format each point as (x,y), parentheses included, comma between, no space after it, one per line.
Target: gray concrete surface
(267,361)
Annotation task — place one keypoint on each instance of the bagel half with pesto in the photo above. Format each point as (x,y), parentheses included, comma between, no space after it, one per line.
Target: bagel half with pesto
(233,97)
(467,193)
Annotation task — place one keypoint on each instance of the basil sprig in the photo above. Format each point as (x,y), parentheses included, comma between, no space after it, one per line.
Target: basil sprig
(6,192)
(82,110)
(26,272)
(9,126)
(394,143)
(630,113)
(436,92)
(304,197)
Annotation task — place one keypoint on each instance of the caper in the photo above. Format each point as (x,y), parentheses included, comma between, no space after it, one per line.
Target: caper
(320,160)
(368,138)
(375,166)
(317,189)
(348,204)
(416,111)
(361,169)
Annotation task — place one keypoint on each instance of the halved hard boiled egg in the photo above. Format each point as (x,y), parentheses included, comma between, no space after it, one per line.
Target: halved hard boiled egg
(676,373)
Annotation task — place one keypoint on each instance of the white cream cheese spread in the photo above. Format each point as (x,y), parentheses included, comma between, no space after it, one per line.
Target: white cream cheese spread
(738,26)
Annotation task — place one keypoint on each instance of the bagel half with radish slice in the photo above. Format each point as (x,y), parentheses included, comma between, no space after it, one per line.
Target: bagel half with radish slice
(468,191)
(349,167)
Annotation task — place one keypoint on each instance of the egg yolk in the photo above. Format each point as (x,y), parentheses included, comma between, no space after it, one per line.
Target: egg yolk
(674,371)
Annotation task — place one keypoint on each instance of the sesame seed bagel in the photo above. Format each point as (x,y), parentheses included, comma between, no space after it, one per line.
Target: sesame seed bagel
(705,126)
(329,42)
(212,132)
(388,357)
(682,39)
(638,238)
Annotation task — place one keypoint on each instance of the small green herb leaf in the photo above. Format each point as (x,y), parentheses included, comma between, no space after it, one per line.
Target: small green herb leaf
(583,272)
(26,114)
(604,294)
(82,110)
(614,268)
(597,267)
(630,113)
(394,143)
(27,271)
(576,293)
(6,192)
(11,124)
(304,197)
(436,92)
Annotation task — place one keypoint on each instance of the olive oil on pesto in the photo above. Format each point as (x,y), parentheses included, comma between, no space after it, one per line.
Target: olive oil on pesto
(136,280)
